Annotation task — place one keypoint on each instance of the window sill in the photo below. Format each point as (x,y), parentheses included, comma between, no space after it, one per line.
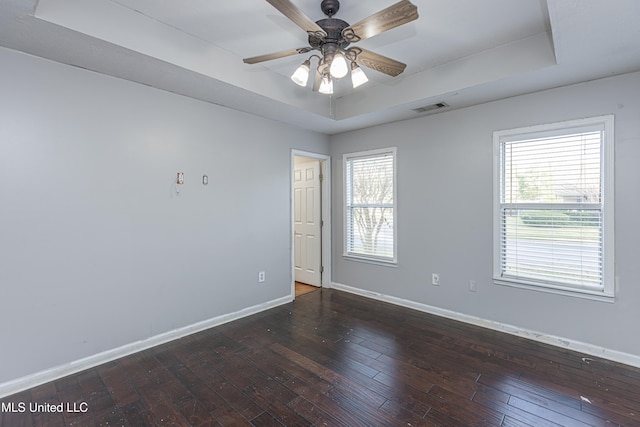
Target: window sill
(376,261)
(558,290)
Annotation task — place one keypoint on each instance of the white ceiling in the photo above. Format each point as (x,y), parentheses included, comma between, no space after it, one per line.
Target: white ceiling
(462,52)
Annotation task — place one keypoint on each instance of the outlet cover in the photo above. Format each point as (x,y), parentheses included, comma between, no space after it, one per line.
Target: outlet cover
(435,279)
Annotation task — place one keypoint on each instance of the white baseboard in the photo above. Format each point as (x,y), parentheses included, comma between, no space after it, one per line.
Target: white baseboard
(34,380)
(567,343)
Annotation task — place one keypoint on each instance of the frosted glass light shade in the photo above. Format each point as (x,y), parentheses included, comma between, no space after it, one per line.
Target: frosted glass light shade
(326,86)
(339,67)
(301,75)
(358,77)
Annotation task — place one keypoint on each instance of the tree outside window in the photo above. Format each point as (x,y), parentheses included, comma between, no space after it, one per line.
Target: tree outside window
(370,205)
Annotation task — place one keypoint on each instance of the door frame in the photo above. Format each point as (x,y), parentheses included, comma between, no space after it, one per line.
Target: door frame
(325,169)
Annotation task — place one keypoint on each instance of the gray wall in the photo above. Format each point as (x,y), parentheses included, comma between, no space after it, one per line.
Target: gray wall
(444,213)
(97,249)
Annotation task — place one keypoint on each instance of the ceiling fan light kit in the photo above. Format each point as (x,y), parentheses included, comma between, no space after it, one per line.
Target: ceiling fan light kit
(358,77)
(326,86)
(332,37)
(339,67)
(301,75)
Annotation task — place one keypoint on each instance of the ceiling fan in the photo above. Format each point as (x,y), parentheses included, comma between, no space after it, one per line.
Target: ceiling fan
(332,37)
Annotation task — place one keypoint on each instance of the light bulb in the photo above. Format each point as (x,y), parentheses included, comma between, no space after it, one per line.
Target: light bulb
(326,86)
(358,77)
(301,75)
(339,67)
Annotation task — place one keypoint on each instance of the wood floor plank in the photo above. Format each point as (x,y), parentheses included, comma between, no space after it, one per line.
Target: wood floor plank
(161,407)
(514,414)
(488,415)
(404,416)
(543,412)
(310,412)
(512,422)
(116,382)
(135,414)
(526,390)
(196,414)
(338,359)
(327,405)
(358,392)
(406,396)
(617,409)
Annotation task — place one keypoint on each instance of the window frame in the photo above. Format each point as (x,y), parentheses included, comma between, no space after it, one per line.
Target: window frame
(603,123)
(358,256)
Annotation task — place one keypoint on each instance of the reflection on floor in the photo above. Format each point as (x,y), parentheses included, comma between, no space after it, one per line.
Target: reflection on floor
(302,288)
(337,359)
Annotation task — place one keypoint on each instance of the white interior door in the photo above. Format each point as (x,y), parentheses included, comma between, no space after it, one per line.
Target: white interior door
(307,222)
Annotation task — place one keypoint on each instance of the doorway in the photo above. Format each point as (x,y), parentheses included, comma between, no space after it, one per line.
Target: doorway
(311,236)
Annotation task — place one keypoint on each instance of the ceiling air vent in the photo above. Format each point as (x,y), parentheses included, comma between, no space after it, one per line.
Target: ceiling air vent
(431,108)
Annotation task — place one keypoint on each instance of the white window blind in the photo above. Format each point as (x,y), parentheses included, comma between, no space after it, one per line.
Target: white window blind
(551,207)
(370,205)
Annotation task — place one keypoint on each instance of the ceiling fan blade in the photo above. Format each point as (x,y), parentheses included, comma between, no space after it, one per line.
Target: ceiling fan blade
(398,14)
(276,55)
(289,10)
(380,63)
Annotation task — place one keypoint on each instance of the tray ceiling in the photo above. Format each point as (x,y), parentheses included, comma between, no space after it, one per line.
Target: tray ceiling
(462,52)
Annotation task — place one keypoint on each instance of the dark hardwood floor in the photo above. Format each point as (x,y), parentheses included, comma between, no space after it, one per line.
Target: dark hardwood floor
(336,359)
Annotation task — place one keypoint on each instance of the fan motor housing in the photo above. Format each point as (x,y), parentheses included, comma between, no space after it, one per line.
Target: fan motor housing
(333,27)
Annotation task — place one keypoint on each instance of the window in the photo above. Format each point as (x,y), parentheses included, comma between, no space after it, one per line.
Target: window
(370,204)
(553,207)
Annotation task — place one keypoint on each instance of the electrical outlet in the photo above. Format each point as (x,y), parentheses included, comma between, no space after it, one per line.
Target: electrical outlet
(435,279)
(261,276)
(473,287)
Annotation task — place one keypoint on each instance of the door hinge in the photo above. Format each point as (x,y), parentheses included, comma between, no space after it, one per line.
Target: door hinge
(322,269)
(321,177)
